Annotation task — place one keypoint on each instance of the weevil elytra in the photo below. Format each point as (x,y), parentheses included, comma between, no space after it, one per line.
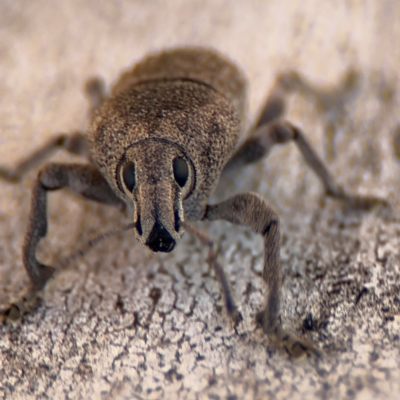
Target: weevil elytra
(157,146)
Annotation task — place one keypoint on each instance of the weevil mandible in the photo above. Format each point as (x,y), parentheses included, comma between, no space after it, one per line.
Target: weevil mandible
(157,146)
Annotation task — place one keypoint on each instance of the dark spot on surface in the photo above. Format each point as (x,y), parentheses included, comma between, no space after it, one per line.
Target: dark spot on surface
(373,356)
(151,276)
(359,385)
(155,294)
(119,305)
(84,370)
(363,291)
(212,381)
(172,375)
(326,386)
(136,321)
(142,366)
(278,374)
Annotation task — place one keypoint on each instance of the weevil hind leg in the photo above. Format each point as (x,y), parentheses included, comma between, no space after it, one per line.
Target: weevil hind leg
(280,132)
(251,210)
(325,98)
(270,130)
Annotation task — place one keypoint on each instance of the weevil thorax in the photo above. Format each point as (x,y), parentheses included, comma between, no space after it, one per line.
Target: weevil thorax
(164,135)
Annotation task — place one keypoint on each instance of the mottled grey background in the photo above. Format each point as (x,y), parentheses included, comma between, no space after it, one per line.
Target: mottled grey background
(122,323)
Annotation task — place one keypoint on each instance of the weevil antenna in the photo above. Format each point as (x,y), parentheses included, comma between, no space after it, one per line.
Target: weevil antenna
(94,241)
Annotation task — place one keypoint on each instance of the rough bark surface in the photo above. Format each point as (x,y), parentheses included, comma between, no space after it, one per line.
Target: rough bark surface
(122,323)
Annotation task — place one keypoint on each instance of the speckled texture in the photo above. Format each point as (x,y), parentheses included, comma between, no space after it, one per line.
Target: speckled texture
(189,115)
(190,63)
(121,323)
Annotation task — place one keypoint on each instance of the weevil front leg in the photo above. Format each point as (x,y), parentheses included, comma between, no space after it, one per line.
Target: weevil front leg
(84,180)
(250,210)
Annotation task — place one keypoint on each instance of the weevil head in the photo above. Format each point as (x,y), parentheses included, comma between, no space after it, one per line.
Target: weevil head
(155,176)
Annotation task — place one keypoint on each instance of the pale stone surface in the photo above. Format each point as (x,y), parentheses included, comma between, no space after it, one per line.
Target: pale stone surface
(122,323)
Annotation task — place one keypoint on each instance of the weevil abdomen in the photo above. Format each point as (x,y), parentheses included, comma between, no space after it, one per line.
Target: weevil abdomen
(190,63)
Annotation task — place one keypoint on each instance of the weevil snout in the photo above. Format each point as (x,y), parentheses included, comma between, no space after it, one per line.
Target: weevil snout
(156,176)
(160,239)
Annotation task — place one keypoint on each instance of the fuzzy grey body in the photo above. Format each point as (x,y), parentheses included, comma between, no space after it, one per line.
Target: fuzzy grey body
(173,99)
(177,103)
(157,147)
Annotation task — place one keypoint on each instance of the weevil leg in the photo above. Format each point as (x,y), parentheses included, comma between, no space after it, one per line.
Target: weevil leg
(280,132)
(270,130)
(251,210)
(95,92)
(326,99)
(84,180)
(230,305)
(74,143)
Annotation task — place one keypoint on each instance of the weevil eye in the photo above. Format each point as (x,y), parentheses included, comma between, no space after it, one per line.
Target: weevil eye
(181,171)
(128,175)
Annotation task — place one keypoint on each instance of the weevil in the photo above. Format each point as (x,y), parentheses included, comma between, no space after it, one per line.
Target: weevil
(157,146)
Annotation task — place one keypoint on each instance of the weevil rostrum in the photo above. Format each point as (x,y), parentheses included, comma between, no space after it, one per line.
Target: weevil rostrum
(157,146)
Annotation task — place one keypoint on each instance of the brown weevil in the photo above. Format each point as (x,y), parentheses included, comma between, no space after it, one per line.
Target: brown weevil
(157,146)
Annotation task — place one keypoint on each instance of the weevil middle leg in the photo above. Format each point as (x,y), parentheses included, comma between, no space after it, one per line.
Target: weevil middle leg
(74,143)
